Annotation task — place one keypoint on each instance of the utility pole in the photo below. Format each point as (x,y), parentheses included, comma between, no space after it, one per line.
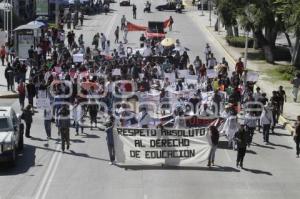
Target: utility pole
(202,8)
(56,12)
(246,49)
(209,13)
(11,21)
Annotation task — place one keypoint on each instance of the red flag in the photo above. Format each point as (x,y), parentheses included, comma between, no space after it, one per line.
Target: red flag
(167,23)
(134,27)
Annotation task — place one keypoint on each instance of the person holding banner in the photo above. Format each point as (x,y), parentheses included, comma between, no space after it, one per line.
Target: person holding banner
(180,122)
(110,139)
(214,136)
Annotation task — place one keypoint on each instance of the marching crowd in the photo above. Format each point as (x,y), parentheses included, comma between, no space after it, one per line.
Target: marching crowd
(102,80)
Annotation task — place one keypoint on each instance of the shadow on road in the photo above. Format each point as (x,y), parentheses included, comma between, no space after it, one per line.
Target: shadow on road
(280,145)
(256,171)
(86,135)
(25,160)
(262,146)
(165,167)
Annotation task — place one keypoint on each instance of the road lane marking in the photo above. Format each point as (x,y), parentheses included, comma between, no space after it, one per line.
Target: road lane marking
(54,162)
(213,40)
(111,24)
(47,174)
(49,181)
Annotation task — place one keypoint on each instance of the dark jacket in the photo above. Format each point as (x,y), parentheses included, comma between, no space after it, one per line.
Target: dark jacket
(30,89)
(241,138)
(63,120)
(27,116)
(9,74)
(215,137)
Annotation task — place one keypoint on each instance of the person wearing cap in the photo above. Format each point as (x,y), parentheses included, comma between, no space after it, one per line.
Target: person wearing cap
(241,139)
(266,121)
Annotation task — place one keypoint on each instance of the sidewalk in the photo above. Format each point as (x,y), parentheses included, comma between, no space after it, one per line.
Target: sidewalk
(3,85)
(266,82)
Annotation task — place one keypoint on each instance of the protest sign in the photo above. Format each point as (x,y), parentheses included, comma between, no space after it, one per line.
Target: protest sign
(43,103)
(78,58)
(156,147)
(252,76)
(183,73)
(211,73)
(116,72)
(171,77)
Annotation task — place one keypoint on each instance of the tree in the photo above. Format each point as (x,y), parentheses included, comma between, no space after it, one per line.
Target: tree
(290,10)
(229,11)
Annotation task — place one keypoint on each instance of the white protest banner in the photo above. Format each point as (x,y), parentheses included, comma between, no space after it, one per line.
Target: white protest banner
(183,73)
(171,77)
(116,72)
(252,76)
(43,103)
(191,79)
(78,58)
(211,73)
(156,147)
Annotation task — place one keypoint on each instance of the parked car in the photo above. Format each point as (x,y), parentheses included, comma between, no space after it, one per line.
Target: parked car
(11,135)
(125,3)
(168,6)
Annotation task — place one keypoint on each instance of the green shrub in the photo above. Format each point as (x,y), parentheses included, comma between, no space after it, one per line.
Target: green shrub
(286,72)
(239,42)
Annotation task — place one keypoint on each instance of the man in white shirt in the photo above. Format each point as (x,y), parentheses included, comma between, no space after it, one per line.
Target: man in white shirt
(180,122)
(207,52)
(144,118)
(212,62)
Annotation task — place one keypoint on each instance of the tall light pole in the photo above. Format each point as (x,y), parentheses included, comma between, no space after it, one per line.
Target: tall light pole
(209,12)
(246,49)
(202,8)
(56,12)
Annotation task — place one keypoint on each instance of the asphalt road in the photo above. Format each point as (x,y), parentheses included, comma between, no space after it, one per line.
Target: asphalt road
(43,172)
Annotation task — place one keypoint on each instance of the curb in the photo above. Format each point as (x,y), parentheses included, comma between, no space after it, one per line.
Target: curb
(9,96)
(286,123)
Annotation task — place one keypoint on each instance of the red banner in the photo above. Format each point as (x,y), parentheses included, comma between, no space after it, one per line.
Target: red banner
(134,27)
(154,35)
(167,23)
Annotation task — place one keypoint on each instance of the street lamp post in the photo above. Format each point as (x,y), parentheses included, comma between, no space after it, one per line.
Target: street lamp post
(209,12)
(202,4)
(246,49)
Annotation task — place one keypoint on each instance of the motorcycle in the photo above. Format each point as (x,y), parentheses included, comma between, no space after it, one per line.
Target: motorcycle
(106,8)
(178,8)
(147,7)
